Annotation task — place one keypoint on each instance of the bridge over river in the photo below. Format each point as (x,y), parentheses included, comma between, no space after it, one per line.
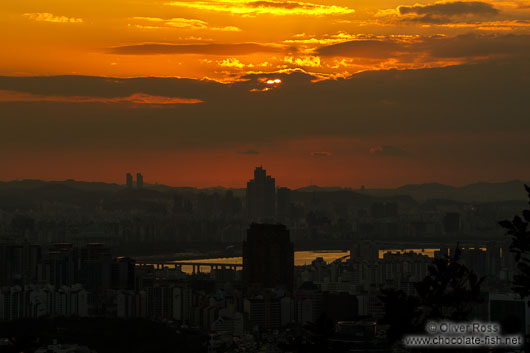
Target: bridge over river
(196,266)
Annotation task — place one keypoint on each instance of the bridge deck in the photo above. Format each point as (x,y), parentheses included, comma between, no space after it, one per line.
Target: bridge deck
(184,263)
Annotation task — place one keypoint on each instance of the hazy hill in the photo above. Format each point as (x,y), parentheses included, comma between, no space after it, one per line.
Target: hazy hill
(29,184)
(67,189)
(477,192)
(316,188)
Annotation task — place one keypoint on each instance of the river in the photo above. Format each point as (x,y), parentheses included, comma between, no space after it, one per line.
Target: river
(301,258)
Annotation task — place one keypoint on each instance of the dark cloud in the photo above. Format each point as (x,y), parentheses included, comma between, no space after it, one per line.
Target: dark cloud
(436,47)
(320,154)
(362,49)
(483,98)
(456,8)
(472,45)
(205,49)
(93,86)
(387,151)
(248,152)
(137,99)
(448,12)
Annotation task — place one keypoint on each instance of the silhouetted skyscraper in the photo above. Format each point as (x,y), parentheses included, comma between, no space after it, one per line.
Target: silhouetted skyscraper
(268,257)
(139,180)
(96,267)
(261,196)
(122,276)
(60,266)
(129,180)
(18,263)
(364,250)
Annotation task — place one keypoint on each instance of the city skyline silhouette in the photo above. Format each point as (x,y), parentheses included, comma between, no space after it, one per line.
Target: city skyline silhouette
(271,176)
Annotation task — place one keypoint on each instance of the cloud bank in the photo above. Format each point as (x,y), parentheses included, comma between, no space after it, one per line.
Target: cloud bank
(49,17)
(265,7)
(204,49)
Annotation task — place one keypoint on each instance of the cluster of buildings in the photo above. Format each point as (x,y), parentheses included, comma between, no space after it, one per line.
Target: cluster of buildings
(265,303)
(34,301)
(168,218)
(269,293)
(129,182)
(266,296)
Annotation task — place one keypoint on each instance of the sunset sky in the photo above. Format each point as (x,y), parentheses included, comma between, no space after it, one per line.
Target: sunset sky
(378,93)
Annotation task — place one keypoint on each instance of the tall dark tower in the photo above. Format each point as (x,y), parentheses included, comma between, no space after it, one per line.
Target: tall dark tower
(129,180)
(268,257)
(139,181)
(261,196)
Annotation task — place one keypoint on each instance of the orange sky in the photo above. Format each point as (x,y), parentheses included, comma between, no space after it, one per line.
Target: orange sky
(86,37)
(307,90)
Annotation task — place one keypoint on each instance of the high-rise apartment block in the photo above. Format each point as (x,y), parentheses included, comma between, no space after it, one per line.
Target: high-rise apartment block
(129,182)
(268,257)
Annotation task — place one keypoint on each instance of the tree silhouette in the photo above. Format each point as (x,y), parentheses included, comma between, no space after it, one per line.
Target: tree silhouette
(518,229)
(314,337)
(447,292)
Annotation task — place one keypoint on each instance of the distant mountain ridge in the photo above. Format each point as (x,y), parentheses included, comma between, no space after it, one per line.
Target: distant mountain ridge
(316,188)
(70,185)
(476,192)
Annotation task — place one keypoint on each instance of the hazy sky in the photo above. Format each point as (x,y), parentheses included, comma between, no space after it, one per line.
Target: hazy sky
(350,93)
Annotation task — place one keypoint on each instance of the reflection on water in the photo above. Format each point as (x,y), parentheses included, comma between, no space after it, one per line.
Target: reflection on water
(300,258)
(428,252)
(306,257)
